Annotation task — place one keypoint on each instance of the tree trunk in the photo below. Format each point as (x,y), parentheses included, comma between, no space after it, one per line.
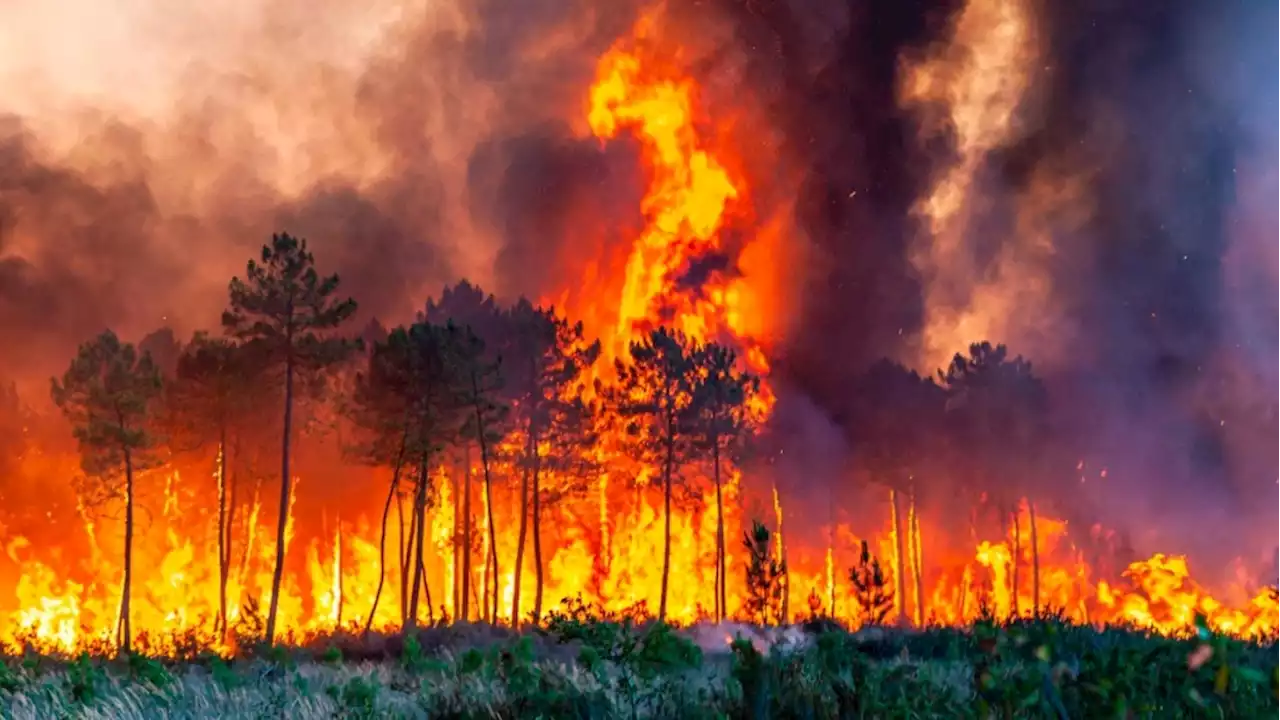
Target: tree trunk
(406,551)
(721,606)
(899,577)
(1017,555)
(278,575)
(536,496)
(488,502)
(224,551)
(231,504)
(382,538)
(1035,561)
(466,536)
(530,450)
(337,561)
(917,554)
(668,465)
(419,518)
(125,638)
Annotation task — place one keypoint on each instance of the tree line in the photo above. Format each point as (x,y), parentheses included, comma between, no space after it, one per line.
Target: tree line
(466,372)
(515,387)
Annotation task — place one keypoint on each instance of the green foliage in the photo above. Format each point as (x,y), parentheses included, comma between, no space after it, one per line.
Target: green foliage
(356,698)
(85,679)
(1042,668)
(871,588)
(287,311)
(332,655)
(107,395)
(766,577)
(653,398)
(646,651)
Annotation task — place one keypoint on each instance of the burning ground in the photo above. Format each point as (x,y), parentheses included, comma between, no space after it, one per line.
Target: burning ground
(816,186)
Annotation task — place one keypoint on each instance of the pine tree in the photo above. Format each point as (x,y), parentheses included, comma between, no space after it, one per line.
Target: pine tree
(480,381)
(108,395)
(412,401)
(208,403)
(766,576)
(719,421)
(546,359)
(999,412)
(465,305)
(288,312)
(870,588)
(897,418)
(652,396)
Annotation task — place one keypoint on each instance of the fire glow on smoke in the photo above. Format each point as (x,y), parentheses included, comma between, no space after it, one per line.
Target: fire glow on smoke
(603,545)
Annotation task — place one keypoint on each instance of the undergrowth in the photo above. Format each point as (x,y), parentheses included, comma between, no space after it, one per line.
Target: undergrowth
(581,663)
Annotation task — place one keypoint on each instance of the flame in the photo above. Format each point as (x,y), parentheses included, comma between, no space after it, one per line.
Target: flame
(603,544)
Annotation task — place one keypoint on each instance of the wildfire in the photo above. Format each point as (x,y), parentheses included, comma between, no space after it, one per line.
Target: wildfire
(600,544)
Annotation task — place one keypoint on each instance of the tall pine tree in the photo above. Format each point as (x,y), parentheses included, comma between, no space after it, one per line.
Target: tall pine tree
(719,420)
(546,359)
(288,312)
(108,395)
(213,394)
(652,397)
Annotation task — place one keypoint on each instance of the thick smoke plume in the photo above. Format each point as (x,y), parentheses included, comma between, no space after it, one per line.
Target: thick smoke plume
(1112,221)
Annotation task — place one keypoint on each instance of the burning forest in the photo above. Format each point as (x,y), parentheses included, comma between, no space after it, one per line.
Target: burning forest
(771,311)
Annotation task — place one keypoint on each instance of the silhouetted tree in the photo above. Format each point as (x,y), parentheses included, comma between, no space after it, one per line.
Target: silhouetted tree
(288,312)
(163,347)
(766,576)
(212,394)
(719,421)
(107,394)
(1000,412)
(410,405)
(546,359)
(480,380)
(466,305)
(652,397)
(870,588)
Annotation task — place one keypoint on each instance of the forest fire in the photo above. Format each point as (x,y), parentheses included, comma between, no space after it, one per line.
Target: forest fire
(511,514)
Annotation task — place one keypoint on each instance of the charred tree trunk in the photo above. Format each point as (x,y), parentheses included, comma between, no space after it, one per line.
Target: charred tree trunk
(278,574)
(337,560)
(224,549)
(1017,556)
(536,497)
(491,562)
(382,537)
(466,536)
(1035,561)
(229,526)
(721,606)
(419,521)
(530,451)
(406,547)
(125,637)
(455,492)
(668,466)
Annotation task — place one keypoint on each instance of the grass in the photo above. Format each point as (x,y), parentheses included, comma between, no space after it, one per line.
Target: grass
(579,665)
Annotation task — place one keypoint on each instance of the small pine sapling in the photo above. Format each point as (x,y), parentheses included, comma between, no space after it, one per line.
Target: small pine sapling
(871,588)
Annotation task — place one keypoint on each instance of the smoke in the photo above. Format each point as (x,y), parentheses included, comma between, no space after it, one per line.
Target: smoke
(1110,215)
(150,150)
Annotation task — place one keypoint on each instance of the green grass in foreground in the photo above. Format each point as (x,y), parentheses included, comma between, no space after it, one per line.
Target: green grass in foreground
(583,667)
